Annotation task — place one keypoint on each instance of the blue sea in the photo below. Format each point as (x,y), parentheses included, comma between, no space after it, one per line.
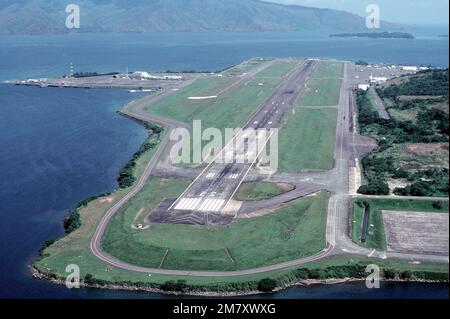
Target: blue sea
(60,146)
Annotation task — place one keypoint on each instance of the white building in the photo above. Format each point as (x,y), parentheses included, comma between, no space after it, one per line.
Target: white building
(363,87)
(377,80)
(410,68)
(141,75)
(147,76)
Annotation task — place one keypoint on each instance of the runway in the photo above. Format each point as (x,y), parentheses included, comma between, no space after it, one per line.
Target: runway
(205,201)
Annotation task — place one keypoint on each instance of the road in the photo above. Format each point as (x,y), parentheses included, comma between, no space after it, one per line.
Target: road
(379,104)
(348,146)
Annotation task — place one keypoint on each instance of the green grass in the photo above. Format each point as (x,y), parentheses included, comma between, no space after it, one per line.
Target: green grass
(306,140)
(372,104)
(278,70)
(327,69)
(321,92)
(253,191)
(290,233)
(376,237)
(74,249)
(232,109)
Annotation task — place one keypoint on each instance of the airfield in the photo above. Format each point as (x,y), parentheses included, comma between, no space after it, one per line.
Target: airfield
(192,221)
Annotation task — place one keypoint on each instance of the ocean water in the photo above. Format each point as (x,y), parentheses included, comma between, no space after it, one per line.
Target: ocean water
(43,56)
(59,146)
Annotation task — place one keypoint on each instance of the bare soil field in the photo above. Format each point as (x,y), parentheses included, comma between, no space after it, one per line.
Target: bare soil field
(425,233)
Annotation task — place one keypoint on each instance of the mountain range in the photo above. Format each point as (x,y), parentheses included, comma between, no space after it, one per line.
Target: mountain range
(48,16)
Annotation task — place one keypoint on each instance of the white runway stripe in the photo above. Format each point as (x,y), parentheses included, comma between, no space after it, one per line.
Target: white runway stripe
(211,204)
(210,175)
(208,205)
(181,204)
(217,205)
(205,203)
(188,203)
(193,203)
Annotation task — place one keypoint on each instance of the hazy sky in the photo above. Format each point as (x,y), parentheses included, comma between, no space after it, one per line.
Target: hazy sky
(400,11)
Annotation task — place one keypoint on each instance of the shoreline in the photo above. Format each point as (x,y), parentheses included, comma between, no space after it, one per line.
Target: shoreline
(36,273)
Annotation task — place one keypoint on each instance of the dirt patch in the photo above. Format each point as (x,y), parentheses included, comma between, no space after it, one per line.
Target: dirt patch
(417,97)
(394,183)
(439,106)
(424,156)
(285,186)
(107,200)
(426,149)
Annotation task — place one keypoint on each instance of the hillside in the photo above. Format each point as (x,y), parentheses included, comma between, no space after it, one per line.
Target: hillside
(48,16)
(412,158)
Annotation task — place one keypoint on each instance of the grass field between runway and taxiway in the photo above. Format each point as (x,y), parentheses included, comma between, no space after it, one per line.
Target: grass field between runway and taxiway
(253,191)
(376,236)
(324,86)
(293,232)
(231,109)
(328,69)
(306,139)
(279,70)
(320,92)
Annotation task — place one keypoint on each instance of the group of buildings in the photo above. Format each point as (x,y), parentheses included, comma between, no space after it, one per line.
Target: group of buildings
(142,75)
(374,80)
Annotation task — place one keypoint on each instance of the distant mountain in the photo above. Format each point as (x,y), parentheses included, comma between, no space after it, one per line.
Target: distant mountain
(48,16)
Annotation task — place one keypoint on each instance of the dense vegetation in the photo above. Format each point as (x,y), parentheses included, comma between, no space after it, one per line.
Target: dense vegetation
(267,285)
(430,126)
(430,83)
(126,176)
(355,271)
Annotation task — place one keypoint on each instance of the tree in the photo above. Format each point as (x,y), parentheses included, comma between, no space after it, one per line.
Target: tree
(267,285)
(376,186)
(438,204)
(406,275)
(177,286)
(420,189)
(389,274)
(89,279)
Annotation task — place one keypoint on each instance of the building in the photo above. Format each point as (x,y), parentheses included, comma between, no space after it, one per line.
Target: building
(410,68)
(142,75)
(363,87)
(377,80)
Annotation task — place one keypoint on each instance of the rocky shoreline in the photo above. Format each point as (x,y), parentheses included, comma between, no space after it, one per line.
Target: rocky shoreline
(36,273)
